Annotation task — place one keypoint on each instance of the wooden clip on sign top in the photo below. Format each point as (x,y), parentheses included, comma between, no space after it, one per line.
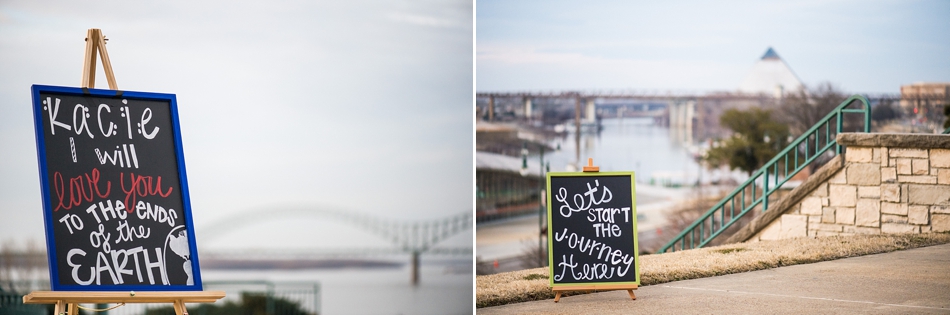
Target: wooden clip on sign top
(590,166)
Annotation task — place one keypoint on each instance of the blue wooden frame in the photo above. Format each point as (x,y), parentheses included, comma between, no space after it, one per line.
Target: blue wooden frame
(45,186)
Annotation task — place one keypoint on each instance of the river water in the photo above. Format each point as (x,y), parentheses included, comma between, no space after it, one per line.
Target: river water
(628,144)
(445,287)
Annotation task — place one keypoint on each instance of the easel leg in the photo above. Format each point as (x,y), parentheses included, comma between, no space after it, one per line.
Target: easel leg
(632,296)
(73,309)
(557,297)
(180,308)
(60,308)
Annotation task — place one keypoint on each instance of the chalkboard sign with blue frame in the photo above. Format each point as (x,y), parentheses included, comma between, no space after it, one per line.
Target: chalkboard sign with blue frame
(115,194)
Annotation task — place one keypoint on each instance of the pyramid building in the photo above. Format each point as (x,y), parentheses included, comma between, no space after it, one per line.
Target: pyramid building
(770,75)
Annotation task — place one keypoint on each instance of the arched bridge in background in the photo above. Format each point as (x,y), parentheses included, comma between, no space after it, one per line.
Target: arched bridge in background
(406,237)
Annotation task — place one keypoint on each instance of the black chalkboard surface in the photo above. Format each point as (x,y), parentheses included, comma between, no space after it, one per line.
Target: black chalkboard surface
(115,194)
(592,234)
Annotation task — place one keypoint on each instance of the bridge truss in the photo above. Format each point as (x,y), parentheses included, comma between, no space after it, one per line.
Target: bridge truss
(407,237)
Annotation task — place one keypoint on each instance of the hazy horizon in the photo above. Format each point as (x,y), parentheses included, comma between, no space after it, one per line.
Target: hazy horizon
(362,106)
(698,46)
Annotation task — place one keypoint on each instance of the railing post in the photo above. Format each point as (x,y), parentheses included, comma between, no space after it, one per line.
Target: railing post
(702,236)
(765,191)
(838,129)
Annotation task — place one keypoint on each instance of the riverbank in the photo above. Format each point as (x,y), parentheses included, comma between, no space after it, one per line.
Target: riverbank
(532,284)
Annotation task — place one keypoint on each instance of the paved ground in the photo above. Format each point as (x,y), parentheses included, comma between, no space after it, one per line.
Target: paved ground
(915,281)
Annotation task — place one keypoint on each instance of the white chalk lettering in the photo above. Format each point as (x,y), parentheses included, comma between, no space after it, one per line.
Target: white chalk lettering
(606,230)
(102,264)
(112,128)
(128,234)
(53,111)
(149,265)
(146,117)
(566,210)
(75,273)
(107,210)
(615,262)
(111,268)
(564,264)
(101,238)
(83,113)
(120,266)
(122,156)
(134,253)
(580,203)
(145,211)
(120,209)
(82,124)
(72,221)
(608,215)
(605,196)
(128,118)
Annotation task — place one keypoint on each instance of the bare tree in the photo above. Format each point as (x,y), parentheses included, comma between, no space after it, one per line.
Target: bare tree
(803,109)
(533,255)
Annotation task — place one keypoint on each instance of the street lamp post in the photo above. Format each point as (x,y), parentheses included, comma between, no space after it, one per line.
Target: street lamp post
(541,185)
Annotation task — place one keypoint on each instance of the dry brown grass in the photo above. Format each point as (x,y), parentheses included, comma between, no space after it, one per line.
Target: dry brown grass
(532,284)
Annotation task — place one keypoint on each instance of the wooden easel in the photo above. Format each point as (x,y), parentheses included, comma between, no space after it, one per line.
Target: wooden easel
(67,302)
(609,287)
(560,289)
(96,43)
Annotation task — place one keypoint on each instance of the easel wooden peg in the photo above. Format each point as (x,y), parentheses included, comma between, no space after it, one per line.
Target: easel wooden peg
(590,166)
(96,43)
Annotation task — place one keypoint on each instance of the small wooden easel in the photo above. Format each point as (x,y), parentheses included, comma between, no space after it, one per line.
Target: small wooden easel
(590,168)
(96,42)
(67,302)
(560,289)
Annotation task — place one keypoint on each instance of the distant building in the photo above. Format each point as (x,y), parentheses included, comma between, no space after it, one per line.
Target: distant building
(925,94)
(771,76)
(503,188)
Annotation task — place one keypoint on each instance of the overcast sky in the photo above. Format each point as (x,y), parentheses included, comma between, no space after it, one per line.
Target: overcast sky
(861,46)
(362,105)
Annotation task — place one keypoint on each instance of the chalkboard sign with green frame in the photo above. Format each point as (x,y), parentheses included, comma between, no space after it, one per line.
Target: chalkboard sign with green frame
(592,229)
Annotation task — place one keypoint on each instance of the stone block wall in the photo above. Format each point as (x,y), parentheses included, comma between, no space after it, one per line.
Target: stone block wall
(888,184)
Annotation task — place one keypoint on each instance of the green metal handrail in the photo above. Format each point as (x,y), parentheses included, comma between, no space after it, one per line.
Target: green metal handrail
(799,154)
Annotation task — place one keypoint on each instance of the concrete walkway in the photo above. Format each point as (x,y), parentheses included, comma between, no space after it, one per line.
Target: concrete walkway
(915,281)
